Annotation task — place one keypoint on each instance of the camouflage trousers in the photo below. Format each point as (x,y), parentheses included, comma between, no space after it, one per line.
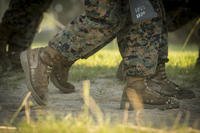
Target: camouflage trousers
(105,20)
(20,22)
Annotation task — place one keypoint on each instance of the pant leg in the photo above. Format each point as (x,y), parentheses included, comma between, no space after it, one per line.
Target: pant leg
(91,31)
(139,44)
(20,22)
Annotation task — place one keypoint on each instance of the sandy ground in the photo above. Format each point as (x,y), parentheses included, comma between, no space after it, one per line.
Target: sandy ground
(106,92)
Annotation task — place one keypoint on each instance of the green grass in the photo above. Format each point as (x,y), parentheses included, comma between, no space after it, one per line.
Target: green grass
(182,59)
(102,64)
(105,62)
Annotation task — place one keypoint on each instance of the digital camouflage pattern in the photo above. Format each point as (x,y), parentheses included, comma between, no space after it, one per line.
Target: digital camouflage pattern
(105,20)
(174,20)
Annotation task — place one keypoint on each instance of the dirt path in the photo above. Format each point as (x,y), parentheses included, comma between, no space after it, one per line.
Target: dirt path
(106,92)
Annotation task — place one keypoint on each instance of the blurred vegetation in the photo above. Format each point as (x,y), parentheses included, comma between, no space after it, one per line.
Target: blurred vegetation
(84,124)
(105,63)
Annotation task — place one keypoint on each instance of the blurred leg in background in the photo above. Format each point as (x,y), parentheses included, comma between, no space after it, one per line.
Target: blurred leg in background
(17,30)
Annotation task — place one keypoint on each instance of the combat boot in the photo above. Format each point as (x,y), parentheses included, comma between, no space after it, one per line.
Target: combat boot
(168,88)
(59,78)
(38,65)
(120,72)
(139,95)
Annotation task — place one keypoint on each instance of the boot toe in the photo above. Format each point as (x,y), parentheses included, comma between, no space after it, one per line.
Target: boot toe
(67,88)
(185,94)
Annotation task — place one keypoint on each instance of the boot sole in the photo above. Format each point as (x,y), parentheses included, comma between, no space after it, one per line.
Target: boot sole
(60,87)
(149,106)
(25,66)
(145,106)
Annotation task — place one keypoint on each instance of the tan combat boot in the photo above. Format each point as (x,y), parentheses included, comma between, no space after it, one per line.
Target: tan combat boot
(138,95)
(120,72)
(59,77)
(169,88)
(38,65)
